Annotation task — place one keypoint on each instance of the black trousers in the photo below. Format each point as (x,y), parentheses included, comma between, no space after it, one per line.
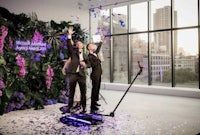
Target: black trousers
(73,80)
(96,83)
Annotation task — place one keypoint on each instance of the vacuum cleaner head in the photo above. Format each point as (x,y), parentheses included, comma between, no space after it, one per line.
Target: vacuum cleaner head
(78,120)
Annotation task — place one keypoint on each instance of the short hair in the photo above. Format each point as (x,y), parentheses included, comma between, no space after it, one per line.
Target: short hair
(78,42)
(88,46)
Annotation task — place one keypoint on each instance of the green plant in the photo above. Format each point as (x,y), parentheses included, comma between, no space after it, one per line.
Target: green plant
(33,84)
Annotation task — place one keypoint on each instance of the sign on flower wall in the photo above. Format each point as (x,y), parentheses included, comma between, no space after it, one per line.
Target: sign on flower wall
(36,44)
(30,46)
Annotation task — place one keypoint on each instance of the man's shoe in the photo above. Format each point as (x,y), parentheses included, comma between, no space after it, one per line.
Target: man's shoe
(94,108)
(97,104)
(67,111)
(77,105)
(83,111)
(94,111)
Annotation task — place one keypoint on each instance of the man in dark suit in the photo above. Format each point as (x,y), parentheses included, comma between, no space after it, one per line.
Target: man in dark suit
(76,69)
(95,75)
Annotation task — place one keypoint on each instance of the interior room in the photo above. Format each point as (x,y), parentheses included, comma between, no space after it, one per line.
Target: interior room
(149,57)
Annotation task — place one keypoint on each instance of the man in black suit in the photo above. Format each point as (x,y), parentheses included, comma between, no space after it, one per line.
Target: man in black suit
(76,69)
(95,75)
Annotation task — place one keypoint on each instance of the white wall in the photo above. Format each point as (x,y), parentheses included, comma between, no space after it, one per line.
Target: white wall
(46,10)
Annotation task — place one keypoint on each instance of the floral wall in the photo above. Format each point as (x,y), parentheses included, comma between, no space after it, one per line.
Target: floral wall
(33,78)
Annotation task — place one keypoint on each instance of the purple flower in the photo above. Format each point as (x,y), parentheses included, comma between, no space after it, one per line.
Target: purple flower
(49,74)
(48,46)
(49,102)
(63,92)
(66,80)
(20,60)
(86,36)
(32,102)
(37,57)
(1,93)
(18,105)
(12,105)
(15,94)
(37,37)
(55,101)
(10,43)
(61,56)
(21,63)
(8,108)
(2,85)
(63,37)
(22,72)
(22,102)
(80,36)
(65,47)
(4,31)
(43,51)
(21,95)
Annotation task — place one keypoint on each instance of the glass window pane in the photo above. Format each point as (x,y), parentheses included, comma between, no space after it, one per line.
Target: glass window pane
(105,54)
(161,58)
(186,13)
(100,21)
(104,22)
(94,20)
(160,14)
(119,20)
(186,58)
(139,52)
(120,54)
(139,18)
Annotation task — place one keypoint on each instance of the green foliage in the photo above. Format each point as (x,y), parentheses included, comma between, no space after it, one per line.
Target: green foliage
(33,85)
(183,75)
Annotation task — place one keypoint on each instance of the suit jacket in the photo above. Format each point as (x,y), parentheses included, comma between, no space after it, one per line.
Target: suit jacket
(95,62)
(75,62)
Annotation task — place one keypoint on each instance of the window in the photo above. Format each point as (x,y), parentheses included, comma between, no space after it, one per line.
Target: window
(186,58)
(185,13)
(166,49)
(139,53)
(160,14)
(120,59)
(139,19)
(119,20)
(160,46)
(106,60)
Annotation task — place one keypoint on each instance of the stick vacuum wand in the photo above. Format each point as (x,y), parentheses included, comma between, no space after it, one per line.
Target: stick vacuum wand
(141,68)
(112,114)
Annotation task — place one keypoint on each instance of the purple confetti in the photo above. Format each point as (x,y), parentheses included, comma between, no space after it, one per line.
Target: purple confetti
(122,23)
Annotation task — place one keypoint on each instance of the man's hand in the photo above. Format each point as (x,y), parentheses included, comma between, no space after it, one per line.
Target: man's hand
(63,71)
(83,65)
(70,30)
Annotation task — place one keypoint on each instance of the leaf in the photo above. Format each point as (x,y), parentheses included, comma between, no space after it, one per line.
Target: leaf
(16,70)
(9,91)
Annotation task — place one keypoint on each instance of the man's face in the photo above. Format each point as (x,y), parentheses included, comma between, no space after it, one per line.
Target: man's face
(92,47)
(79,45)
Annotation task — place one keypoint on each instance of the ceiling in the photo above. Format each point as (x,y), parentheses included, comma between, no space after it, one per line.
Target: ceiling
(99,3)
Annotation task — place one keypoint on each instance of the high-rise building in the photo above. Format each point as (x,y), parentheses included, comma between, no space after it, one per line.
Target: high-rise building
(162,20)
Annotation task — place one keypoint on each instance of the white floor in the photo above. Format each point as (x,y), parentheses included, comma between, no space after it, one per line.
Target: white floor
(138,114)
